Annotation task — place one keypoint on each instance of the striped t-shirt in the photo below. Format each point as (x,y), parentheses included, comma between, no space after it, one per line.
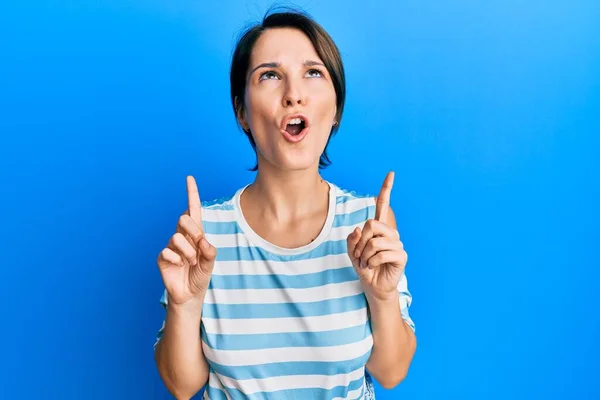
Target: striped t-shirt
(280,323)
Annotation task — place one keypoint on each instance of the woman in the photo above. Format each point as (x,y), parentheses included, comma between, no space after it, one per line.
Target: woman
(297,285)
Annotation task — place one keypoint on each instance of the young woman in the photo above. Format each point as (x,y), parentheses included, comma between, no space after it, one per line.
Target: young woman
(292,288)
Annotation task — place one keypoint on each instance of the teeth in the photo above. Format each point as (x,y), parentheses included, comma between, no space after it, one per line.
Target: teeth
(295,121)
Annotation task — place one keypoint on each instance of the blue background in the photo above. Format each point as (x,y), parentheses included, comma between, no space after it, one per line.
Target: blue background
(489,112)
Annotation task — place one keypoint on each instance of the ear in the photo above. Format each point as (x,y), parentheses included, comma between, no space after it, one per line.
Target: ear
(335,116)
(240,114)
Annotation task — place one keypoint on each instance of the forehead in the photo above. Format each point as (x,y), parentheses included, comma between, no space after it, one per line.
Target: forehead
(283,45)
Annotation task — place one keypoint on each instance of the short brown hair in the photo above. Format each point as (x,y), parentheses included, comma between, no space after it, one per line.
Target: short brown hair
(323,44)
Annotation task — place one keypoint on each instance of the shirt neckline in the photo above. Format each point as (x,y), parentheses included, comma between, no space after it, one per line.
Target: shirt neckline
(256,239)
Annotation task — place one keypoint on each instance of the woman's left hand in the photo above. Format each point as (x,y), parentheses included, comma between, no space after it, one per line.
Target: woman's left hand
(376,251)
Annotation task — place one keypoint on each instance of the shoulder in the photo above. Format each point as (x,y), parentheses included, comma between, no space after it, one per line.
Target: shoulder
(344,194)
(357,199)
(354,205)
(220,212)
(217,205)
(223,202)
(220,203)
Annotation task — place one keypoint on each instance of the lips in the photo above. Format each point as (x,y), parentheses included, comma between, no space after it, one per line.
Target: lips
(292,134)
(290,117)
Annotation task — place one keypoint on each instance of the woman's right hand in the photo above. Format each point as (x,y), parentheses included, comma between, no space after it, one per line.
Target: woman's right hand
(186,264)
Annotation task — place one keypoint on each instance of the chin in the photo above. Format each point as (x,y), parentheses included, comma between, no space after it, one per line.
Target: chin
(286,157)
(299,164)
(296,162)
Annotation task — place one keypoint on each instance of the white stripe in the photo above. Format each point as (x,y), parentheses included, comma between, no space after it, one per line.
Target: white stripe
(212,215)
(285,325)
(289,354)
(278,296)
(287,382)
(229,240)
(355,204)
(342,232)
(403,288)
(271,267)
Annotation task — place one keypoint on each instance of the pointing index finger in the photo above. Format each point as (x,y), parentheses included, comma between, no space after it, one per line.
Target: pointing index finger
(383,199)
(194,205)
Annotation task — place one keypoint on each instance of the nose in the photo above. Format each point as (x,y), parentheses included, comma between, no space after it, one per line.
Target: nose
(293,95)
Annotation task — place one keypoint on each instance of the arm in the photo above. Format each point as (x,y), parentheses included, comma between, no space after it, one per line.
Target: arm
(178,354)
(186,265)
(394,341)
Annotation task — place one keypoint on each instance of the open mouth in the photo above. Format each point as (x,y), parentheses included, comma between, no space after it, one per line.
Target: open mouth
(295,126)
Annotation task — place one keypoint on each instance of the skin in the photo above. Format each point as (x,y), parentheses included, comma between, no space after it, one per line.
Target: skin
(379,259)
(288,180)
(287,205)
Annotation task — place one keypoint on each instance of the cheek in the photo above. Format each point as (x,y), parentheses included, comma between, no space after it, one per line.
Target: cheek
(326,98)
(260,109)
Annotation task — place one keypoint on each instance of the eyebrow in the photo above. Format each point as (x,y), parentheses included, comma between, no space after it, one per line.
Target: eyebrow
(273,64)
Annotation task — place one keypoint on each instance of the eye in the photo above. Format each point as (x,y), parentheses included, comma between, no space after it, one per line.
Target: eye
(267,76)
(314,71)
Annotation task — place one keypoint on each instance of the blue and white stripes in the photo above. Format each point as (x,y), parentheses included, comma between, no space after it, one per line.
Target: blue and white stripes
(287,323)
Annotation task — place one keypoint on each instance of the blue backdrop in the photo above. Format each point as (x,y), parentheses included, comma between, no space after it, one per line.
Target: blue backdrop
(489,112)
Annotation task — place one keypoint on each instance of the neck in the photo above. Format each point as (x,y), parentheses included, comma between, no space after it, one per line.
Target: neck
(288,195)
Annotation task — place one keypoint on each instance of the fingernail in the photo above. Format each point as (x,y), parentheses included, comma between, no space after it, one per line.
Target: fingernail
(357,254)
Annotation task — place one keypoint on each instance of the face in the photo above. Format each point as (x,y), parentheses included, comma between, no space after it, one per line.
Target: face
(286,78)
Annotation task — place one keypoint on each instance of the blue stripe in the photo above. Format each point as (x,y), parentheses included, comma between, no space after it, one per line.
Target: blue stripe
(220,201)
(163,299)
(296,394)
(288,339)
(243,253)
(344,199)
(285,310)
(224,207)
(355,194)
(271,370)
(278,281)
(221,228)
(354,217)
(215,394)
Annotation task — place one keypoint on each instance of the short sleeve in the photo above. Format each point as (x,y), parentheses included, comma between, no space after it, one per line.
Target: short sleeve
(405,301)
(163,301)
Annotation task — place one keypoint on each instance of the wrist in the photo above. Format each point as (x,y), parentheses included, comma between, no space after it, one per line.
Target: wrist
(383,300)
(191,308)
